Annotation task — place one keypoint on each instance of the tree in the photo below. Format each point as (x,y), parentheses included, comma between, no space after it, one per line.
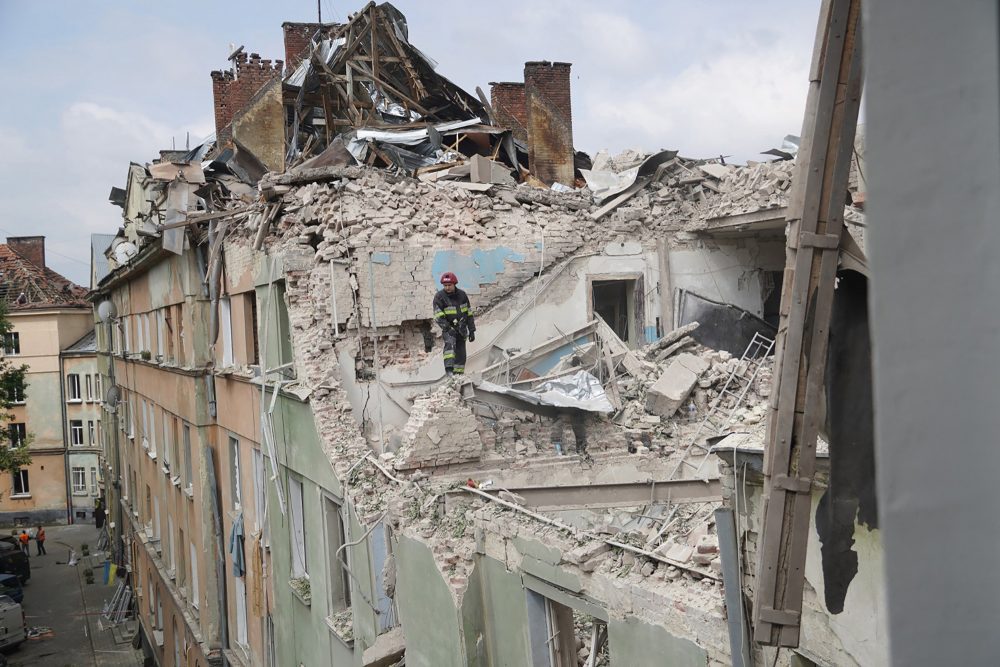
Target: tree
(13,456)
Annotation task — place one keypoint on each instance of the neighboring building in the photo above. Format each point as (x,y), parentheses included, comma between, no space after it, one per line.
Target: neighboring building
(83,388)
(48,314)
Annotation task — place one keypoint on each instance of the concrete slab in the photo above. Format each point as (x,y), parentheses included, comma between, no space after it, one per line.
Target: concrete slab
(674,385)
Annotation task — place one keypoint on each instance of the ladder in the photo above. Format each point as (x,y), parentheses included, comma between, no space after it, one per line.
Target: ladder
(723,409)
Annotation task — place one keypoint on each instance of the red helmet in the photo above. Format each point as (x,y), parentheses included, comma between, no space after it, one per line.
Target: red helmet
(449,278)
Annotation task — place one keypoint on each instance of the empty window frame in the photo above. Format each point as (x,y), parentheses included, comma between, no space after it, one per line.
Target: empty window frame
(235,487)
(620,302)
(296,510)
(337,577)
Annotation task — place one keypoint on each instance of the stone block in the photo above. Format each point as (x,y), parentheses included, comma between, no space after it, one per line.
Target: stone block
(675,384)
(586,552)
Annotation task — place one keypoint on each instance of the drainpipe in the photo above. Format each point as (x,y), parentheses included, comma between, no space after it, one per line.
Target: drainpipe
(65,416)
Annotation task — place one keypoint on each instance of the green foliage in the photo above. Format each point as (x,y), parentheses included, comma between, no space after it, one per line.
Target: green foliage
(12,389)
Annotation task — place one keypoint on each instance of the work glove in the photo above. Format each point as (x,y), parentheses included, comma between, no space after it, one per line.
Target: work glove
(472,336)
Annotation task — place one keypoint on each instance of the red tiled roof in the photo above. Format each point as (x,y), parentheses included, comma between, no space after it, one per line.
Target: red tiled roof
(25,285)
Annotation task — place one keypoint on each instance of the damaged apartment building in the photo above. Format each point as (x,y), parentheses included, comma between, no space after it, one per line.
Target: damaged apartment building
(299,483)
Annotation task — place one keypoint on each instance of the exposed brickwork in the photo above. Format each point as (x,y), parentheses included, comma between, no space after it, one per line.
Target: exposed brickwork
(510,108)
(297,38)
(234,88)
(550,121)
(32,248)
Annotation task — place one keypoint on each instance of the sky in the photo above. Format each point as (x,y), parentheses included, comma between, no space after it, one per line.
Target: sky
(91,85)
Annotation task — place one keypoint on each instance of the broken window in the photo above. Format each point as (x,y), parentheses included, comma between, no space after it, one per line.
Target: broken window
(253,353)
(337,581)
(555,630)
(298,531)
(619,304)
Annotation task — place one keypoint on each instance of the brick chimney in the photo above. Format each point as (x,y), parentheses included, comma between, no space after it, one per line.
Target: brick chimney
(32,248)
(234,88)
(550,121)
(509,107)
(297,39)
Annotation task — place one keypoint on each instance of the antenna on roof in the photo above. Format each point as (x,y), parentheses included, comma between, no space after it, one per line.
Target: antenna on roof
(319,12)
(187,142)
(173,143)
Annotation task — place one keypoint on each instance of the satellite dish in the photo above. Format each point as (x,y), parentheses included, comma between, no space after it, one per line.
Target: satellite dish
(125,251)
(112,396)
(106,311)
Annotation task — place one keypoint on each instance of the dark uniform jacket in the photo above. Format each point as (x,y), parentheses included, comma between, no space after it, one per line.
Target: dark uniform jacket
(453,312)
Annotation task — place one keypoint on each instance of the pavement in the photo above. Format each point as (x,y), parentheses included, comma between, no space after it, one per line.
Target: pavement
(58,598)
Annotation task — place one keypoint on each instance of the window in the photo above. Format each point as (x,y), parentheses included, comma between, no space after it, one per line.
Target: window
(100,433)
(18,434)
(339,588)
(21,486)
(90,388)
(188,481)
(253,351)
(11,343)
(156,517)
(284,331)
(147,341)
(165,423)
(126,335)
(226,320)
(161,330)
(174,457)
(194,576)
(91,433)
(298,535)
(73,387)
(145,424)
(177,643)
(168,335)
(259,498)
(620,304)
(182,577)
(240,585)
(93,481)
(76,432)
(79,481)
(15,392)
(234,473)
(171,556)
(98,387)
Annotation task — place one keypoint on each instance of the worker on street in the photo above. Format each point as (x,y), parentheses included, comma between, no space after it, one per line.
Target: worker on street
(453,313)
(40,540)
(25,540)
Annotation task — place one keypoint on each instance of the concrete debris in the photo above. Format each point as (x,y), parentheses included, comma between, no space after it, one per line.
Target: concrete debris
(674,385)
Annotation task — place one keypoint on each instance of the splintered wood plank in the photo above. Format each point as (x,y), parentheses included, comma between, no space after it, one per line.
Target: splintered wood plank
(816,216)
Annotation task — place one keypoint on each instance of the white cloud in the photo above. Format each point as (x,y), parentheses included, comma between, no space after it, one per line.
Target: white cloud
(737,103)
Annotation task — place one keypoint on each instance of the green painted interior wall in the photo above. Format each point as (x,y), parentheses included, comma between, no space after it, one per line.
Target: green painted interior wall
(426,609)
(505,614)
(633,642)
(474,621)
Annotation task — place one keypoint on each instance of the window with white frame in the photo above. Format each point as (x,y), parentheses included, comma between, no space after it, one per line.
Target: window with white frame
(188,481)
(147,341)
(91,433)
(12,344)
(15,393)
(298,536)
(98,387)
(171,556)
(126,335)
(235,487)
(79,480)
(160,333)
(20,483)
(226,322)
(73,388)
(18,434)
(93,481)
(89,382)
(76,432)
(194,576)
(240,585)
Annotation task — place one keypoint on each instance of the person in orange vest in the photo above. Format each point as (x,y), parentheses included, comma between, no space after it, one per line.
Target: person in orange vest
(24,539)
(40,541)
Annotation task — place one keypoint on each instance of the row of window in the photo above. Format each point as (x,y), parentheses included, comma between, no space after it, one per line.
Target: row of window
(173,432)
(160,332)
(79,478)
(92,384)
(76,433)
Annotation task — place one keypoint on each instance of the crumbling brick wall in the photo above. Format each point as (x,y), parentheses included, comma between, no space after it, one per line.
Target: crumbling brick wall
(550,121)
(441,431)
(510,107)
(233,89)
(298,37)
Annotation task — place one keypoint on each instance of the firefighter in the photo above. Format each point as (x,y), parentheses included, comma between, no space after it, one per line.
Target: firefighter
(453,313)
